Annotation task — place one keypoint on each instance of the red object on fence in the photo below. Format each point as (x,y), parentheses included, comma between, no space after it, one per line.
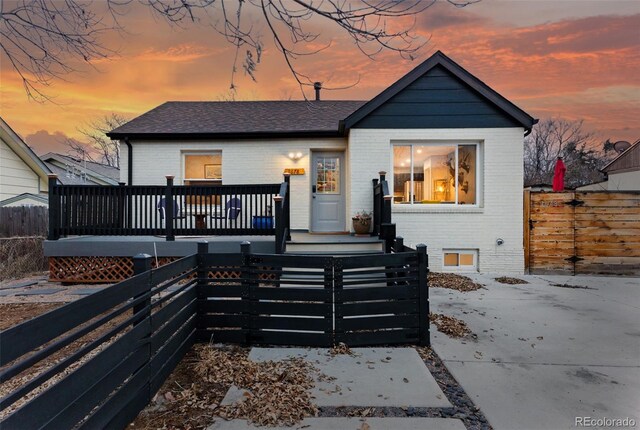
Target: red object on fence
(558,175)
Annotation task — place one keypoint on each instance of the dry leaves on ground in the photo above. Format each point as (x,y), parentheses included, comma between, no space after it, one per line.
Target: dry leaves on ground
(277,392)
(341,349)
(511,281)
(453,282)
(450,326)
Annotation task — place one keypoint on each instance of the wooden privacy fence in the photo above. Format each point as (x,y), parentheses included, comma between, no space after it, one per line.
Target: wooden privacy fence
(19,221)
(590,232)
(142,327)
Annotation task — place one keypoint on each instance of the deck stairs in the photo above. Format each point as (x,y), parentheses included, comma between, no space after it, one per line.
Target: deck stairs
(333,244)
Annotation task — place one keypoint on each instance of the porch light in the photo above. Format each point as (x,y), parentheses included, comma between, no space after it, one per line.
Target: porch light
(295,156)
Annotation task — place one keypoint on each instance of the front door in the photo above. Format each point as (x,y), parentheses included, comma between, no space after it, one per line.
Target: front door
(327,192)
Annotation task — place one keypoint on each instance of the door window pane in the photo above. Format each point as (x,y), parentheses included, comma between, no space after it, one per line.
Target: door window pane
(328,175)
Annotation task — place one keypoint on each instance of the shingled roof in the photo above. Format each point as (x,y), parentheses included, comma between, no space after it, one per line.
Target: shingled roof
(239,119)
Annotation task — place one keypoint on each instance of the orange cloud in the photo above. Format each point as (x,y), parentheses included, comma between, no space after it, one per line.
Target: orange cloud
(574,68)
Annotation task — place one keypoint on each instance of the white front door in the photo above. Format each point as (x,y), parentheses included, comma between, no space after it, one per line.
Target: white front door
(327,192)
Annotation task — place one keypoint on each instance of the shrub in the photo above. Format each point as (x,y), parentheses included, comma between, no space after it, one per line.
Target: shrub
(21,256)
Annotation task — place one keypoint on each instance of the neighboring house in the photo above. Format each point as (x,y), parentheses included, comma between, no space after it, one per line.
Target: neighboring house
(623,172)
(597,186)
(539,187)
(452,147)
(23,176)
(72,171)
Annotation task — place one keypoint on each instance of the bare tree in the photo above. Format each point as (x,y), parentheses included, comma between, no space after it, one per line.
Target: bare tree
(579,149)
(97,147)
(45,40)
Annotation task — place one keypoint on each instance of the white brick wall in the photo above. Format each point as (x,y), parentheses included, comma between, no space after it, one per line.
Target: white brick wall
(500,211)
(243,162)
(369,151)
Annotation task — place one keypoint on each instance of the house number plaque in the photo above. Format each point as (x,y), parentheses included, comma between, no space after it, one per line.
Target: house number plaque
(294,171)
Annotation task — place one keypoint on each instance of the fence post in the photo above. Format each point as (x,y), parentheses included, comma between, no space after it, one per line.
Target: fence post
(388,234)
(386,209)
(54,209)
(399,244)
(287,205)
(338,288)
(119,224)
(168,209)
(423,294)
(142,264)
(202,275)
(329,285)
(279,224)
(246,294)
(376,209)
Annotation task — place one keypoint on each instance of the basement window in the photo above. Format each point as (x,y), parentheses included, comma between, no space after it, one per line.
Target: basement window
(460,260)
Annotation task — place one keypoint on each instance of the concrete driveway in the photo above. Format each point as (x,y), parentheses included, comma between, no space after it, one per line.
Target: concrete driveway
(546,354)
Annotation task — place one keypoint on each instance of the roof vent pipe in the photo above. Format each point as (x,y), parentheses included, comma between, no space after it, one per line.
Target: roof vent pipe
(317,86)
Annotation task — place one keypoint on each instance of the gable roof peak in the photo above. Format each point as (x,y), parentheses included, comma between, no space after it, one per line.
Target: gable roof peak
(440,59)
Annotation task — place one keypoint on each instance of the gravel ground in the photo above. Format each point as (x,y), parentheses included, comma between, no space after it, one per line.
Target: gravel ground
(25,290)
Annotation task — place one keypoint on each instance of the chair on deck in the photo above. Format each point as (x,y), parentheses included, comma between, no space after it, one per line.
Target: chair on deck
(232,210)
(162,208)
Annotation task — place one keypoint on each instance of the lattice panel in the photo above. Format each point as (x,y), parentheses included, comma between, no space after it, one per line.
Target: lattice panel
(90,270)
(105,270)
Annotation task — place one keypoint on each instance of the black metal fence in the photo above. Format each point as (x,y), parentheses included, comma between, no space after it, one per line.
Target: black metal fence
(381,204)
(143,326)
(316,300)
(105,380)
(169,210)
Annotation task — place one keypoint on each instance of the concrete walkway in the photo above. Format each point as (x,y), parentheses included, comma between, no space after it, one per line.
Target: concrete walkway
(371,377)
(546,354)
(353,423)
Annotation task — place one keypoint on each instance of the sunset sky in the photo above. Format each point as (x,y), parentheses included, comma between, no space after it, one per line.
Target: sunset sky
(570,59)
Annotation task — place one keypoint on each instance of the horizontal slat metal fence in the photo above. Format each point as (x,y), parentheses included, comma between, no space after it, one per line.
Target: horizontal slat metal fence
(141,328)
(105,380)
(316,300)
(378,299)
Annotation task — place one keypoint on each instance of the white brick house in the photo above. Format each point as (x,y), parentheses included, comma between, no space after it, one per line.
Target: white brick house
(451,146)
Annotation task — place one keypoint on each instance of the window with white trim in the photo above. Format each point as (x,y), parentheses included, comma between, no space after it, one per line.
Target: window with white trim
(454,260)
(202,168)
(435,173)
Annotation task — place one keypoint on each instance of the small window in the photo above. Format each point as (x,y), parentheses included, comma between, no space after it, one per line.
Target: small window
(460,260)
(203,168)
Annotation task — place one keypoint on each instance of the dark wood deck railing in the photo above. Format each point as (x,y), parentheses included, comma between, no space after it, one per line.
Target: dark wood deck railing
(169,210)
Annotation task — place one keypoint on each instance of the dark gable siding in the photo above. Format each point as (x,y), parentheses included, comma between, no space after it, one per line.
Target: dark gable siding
(437,100)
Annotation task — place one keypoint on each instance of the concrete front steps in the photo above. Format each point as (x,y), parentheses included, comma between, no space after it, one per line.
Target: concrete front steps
(334,244)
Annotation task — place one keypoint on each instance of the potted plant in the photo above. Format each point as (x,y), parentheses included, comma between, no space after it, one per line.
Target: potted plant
(362,222)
